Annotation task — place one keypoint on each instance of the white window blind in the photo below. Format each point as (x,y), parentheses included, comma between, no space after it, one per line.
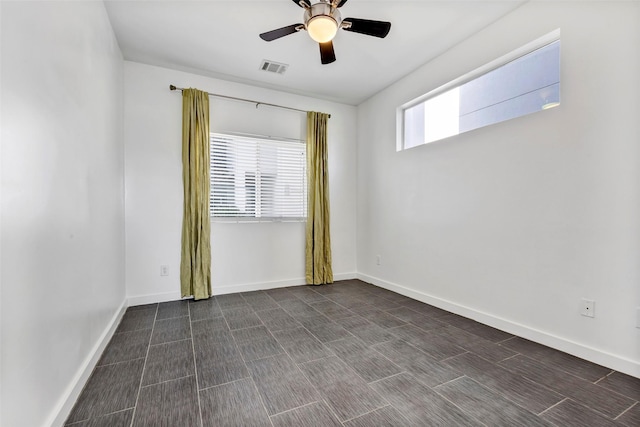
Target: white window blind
(254,177)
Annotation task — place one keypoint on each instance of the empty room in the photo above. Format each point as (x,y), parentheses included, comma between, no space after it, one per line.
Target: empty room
(317,213)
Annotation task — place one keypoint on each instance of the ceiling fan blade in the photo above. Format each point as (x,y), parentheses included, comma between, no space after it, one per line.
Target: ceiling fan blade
(280,32)
(327,55)
(368,27)
(303,1)
(339,3)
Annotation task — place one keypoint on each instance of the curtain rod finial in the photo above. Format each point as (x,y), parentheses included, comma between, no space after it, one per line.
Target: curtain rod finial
(172,87)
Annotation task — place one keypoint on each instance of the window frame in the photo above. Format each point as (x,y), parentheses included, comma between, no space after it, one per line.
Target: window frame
(258,219)
(528,48)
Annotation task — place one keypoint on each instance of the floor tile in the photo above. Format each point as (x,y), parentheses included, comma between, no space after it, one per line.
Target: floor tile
(568,363)
(232,405)
(173,329)
(571,414)
(424,368)
(584,392)
(241,318)
(138,319)
(476,328)
(348,395)
(473,343)
(382,319)
(126,346)
(281,294)
(259,300)
(368,363)
(307,294)
(623,384)
(277,320)
(168,361)
(365,330)
(312,415)
(204,309)
(110,388)
(382,303)
(250,334)
(420,404)
(118,419)
(281,384)
(203,327)
(429,342)
(324,331)
(383,417)
(172,403)
(349,354)
(230,301)
(301,345)
(485,405)
(167,310)
(299,310)
(331,309)
(425,309)
(259,348)
(523,391)
(218,362)
(631,417)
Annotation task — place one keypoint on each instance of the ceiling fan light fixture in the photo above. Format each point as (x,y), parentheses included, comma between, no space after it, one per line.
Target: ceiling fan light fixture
(322,28)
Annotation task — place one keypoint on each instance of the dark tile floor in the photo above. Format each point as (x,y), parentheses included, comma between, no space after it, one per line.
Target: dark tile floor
(348,354)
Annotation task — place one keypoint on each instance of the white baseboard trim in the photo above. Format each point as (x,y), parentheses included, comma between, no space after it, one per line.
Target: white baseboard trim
(231,289)
(71,394)
(153,298)
(615,362)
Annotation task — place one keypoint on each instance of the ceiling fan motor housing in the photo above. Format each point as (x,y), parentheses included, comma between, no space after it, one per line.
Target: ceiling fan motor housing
(322,9)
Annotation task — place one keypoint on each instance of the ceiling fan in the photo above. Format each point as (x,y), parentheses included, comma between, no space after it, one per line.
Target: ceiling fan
(322,21)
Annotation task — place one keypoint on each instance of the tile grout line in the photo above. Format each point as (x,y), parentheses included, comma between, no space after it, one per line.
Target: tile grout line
(553,406)
(366,413)
(602,378)
(167,381)
(626,410)
(195,364)
(435,389)
(144,367)
(253,381)
(297,407)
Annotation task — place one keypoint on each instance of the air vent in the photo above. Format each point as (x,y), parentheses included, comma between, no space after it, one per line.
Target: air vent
(273,67)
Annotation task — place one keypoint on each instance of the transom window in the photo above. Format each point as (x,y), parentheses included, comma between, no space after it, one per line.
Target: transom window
(523,82)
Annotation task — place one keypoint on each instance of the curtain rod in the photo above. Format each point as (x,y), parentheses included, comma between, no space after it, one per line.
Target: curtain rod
(258,103)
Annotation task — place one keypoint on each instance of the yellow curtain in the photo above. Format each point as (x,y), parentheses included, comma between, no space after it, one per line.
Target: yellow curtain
(195,264)
(318,239)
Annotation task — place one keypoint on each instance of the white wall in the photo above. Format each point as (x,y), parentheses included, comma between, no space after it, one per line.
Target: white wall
(62,203)
(513,224)
(244,255)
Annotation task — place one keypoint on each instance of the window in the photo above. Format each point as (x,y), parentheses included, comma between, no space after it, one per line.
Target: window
(520,83)
(253,177)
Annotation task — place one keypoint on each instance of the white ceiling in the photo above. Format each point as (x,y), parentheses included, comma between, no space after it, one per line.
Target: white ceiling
(220,39)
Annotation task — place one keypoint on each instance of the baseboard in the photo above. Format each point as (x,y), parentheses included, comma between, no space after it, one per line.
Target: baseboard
(71,394)
(153,298)
(615,362)
(231,289)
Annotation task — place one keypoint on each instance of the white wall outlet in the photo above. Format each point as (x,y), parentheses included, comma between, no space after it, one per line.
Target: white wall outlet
(164,270)
(378,260)
(588,308)
(638,317)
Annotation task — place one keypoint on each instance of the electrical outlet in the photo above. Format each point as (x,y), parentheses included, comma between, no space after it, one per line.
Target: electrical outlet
(164,270)
(378,260)
(638,317)
(588,308)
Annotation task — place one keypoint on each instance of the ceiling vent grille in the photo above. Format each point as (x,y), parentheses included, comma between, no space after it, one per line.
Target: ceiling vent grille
(273,67)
